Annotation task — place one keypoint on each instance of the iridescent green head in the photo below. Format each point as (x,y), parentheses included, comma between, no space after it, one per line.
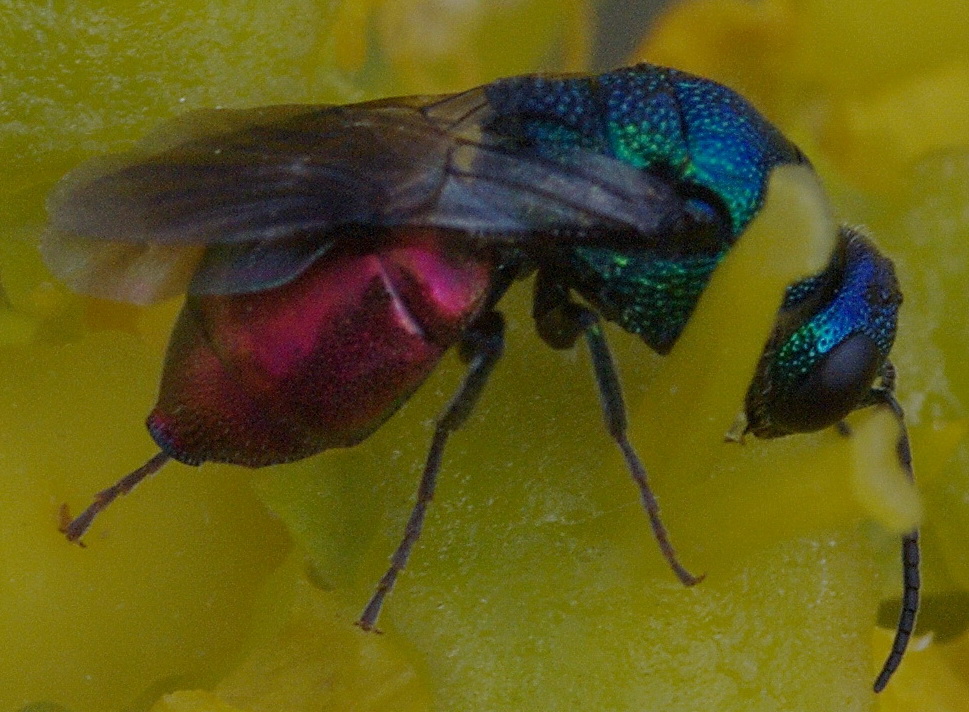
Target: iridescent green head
(830,343)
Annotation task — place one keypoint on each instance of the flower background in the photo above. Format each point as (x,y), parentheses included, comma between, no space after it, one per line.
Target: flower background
(536,584)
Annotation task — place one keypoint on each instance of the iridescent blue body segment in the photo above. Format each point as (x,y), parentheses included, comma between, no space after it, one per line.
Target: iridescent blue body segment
(684,127)
(706,139)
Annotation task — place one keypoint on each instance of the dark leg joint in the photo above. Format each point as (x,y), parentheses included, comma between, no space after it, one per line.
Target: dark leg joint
(558,320)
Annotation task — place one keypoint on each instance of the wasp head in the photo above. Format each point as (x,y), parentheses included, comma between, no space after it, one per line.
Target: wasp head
(830,343)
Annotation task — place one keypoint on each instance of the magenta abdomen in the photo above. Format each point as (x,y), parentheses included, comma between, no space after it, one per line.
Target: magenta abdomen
(274,376)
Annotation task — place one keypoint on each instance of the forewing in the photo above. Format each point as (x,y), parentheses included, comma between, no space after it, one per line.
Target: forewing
(259,192)
(496,186)
(307,171)
(265,180)
(140,273)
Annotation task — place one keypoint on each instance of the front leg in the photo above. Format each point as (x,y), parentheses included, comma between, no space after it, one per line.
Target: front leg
(560,322)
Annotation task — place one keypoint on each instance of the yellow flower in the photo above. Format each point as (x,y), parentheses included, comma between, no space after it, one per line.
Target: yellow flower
(536,584)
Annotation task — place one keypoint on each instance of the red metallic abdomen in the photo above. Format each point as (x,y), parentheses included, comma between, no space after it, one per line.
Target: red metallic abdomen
(274,376)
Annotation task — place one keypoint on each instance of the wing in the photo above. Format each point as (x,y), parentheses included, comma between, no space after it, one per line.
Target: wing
(253,184)
(244,200)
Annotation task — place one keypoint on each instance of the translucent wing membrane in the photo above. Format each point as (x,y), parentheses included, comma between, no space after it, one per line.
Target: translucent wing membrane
(265,188)
(309,171)
(139,273)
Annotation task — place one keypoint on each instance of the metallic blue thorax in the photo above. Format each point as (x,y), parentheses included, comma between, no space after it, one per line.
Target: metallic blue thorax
(707,140)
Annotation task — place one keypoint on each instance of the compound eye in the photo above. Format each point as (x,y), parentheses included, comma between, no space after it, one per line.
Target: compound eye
(835,387)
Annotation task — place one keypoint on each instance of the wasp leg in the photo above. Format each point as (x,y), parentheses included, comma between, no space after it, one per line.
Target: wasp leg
(911,578)
(75,528)
(560,322)
(482,346)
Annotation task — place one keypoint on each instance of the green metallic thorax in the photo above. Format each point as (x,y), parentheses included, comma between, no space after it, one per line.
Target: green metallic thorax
(646,295)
